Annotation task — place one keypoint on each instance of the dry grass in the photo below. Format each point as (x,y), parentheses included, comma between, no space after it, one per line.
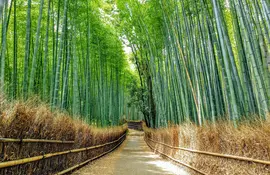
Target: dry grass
(248,140)
(27,120)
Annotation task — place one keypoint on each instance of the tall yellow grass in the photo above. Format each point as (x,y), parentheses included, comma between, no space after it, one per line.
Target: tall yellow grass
(34,120)
(250,139)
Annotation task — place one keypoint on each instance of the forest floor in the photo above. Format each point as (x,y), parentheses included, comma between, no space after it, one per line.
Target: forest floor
(133,157)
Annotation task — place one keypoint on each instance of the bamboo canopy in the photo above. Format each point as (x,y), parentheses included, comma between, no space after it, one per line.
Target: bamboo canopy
(63,52)
(199,61)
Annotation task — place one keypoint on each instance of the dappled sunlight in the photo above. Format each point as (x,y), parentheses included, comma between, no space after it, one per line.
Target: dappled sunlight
(154,172)
(168,167)
(133,157)
(152,156)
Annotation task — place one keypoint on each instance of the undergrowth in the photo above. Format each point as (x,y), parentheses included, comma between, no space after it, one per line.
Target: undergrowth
(249,139)
(34,120)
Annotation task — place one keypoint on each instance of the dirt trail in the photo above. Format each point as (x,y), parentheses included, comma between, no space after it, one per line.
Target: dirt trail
(133,157)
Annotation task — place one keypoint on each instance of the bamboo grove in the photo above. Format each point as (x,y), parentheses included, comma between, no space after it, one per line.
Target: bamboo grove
(66,53)
(200,60)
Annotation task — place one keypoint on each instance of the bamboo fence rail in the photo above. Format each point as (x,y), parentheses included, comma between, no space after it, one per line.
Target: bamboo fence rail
(214,154)
(46,156)
(175,160)
(87,161)
(10,140)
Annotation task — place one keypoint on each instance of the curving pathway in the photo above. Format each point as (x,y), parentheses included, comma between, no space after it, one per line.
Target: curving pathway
(133,157)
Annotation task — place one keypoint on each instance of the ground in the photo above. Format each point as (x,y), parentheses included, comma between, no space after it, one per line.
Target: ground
(133,157)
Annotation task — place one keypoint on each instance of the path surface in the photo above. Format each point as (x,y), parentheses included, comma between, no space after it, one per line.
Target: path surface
(133,157)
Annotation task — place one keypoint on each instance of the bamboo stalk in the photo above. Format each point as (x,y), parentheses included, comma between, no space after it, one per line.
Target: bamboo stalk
(8,140)
(175,160)
(46,156)
(215,154)
(20,162)
(87,161)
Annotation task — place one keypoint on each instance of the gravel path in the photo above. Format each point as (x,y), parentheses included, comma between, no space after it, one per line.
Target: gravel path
(133,157)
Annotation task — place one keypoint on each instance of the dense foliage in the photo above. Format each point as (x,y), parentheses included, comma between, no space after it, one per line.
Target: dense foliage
(200,60)
(67,53)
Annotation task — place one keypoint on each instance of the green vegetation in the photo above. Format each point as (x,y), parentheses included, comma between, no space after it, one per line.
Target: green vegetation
(64,52)
(196,60)
(200,60)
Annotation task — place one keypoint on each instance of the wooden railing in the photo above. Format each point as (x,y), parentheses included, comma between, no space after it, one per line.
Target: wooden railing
(239,158)
(10,140)
(50,155)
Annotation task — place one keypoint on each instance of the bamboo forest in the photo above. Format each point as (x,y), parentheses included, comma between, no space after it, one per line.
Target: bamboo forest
(168,86)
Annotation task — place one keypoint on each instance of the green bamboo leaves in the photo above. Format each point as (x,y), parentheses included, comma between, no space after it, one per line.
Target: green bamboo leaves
(64,52)
(196,60)
(210,63)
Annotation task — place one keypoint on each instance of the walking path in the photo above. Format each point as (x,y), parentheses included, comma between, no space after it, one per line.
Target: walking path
(133,157)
